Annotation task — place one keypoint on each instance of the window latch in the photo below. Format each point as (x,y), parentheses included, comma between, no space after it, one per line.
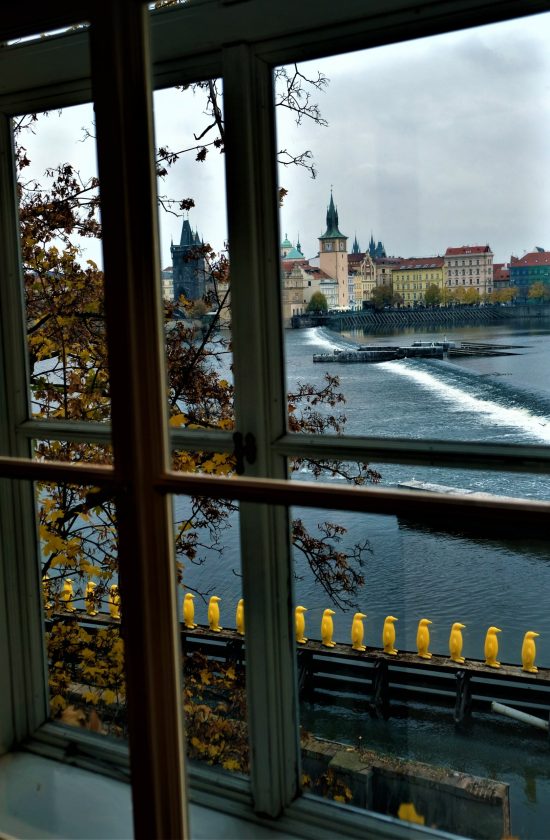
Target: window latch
(245,449)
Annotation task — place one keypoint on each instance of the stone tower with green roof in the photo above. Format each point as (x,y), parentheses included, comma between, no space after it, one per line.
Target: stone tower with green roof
(333,254)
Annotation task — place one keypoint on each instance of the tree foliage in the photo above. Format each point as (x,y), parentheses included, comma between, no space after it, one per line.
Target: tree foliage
(539,291)
(506,295)
(433,295)
(382,296)
(317,303)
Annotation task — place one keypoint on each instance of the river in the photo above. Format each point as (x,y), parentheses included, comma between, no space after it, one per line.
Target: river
(447,575)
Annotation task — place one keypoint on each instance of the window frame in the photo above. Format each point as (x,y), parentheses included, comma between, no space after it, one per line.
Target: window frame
(199,41)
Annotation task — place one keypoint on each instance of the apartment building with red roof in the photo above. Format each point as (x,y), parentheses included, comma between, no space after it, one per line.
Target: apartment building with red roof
(525,271)
(469,266)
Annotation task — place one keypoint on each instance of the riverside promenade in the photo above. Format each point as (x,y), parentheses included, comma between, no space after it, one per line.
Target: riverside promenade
(443,315)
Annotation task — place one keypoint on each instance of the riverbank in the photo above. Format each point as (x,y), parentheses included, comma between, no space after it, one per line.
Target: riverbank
(441,316)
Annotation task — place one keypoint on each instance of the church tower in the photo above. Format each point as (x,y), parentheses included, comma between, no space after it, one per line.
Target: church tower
(189,268)
(333,254)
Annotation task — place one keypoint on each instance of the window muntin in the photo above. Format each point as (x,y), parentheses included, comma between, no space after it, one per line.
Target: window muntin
(293,26)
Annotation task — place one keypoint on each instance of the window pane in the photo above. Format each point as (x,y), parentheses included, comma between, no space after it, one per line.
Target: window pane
(212,617)
(195,261)
(62,264)
(79,566)
(382,730)
(403,239)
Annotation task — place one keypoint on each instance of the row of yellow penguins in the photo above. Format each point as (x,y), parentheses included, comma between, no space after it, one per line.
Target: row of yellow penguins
(528,649)
(91,601)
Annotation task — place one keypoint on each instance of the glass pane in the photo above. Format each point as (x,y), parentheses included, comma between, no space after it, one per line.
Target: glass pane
(403,273)
(79,564)
(62,264)
(212,620)
(84,648)
(403,721)
(195,260)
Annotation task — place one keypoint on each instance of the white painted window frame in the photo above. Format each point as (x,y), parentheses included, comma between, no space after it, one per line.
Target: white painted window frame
(241,41)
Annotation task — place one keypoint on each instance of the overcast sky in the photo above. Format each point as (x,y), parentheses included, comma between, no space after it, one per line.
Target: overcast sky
(433,143)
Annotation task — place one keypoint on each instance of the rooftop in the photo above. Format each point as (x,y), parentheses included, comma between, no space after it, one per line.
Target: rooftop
(419,262)
(467,249)
(534,258)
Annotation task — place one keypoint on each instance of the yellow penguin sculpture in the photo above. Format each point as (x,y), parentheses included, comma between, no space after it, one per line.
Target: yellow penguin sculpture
(358,631)
(89,598)
(114,602)
(239,617)
(491,647)
(529,652)
(300,623)
(455,642)
(214,614)
(388,635)
(67,595)
(189,611)
(47,590)
(423,638)
(327,628)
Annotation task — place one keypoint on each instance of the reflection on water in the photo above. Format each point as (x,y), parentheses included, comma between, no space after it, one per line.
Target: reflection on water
(487,746)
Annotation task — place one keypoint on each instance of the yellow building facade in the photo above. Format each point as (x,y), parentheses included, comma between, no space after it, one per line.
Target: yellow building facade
(412,277)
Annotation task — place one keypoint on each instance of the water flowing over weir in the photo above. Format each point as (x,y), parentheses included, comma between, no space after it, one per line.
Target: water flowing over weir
(498,414)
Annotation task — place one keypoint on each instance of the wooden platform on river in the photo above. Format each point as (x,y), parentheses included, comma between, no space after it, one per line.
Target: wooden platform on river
(372,677)
(379,678)
(371,354)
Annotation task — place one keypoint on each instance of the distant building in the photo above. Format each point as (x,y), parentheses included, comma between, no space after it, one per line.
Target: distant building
(333,257)
(501,276)
(529,269)
(352,287)
(413,276)
(189,268)
(289,251)
(167,283)
(286,246)
(383,268)
(299,281)
(376,250)
(356,276)
(469,266)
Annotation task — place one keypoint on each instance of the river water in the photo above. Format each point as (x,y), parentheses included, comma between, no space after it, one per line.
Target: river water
(445,574)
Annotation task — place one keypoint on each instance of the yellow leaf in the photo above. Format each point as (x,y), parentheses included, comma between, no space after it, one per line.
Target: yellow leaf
(178,420)
(230,764)
(57,703)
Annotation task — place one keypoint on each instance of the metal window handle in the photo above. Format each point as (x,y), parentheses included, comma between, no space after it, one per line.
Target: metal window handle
(245,449)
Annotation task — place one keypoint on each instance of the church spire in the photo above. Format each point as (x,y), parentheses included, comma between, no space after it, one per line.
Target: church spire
(332,231)
(355,249)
